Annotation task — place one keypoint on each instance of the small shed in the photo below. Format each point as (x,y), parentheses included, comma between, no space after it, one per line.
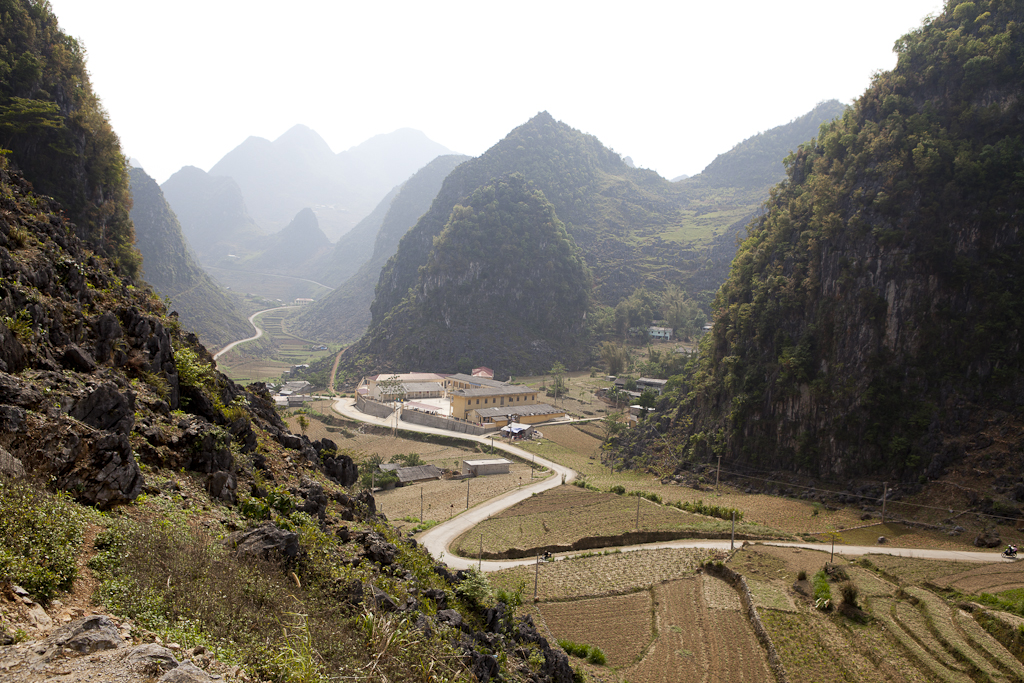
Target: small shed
(516,430)
(417,473)
(478,468)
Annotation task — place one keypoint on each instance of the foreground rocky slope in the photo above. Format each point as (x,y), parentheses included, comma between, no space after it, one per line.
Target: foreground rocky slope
(104,397)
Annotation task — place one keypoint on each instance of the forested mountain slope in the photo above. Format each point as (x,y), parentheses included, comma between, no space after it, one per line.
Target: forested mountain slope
(871,321)
(57,131)
(635,229)
(170,267)
(504,281)
(344,314)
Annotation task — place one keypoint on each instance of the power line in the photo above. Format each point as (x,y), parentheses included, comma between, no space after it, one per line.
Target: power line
(872,498)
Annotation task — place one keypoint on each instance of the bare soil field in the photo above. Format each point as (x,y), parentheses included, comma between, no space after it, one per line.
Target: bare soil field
(697,640)
(601,575)
(620,625)
(563,515)
(443,499)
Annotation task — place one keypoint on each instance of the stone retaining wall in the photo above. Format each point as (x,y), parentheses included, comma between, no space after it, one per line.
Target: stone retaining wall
(446,423)
(737,581)
(371,407)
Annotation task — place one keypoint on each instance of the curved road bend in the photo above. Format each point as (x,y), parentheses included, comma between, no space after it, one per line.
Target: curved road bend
(437,539)
(259,332)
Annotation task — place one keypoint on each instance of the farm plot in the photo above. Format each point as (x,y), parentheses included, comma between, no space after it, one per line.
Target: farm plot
(803,655)
(620,625)
(991,578)
(563,515)
(981,654)
(611,574)
(444,498)
(698,642)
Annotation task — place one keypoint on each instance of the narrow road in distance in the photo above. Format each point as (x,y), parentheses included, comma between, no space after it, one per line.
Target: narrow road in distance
(259,331)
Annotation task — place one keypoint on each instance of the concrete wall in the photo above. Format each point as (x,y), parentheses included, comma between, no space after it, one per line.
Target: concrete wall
(439,422)
(371,407)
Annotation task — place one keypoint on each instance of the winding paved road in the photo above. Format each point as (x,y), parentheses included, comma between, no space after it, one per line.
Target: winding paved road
(259,332)
(438,538)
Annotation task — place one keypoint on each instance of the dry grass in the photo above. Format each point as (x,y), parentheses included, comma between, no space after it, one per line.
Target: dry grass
(565,514)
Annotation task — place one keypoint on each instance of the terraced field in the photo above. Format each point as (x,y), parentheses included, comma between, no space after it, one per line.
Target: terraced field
(907,634)
(566,514)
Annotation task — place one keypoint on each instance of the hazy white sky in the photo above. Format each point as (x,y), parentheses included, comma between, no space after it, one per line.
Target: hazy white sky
(670,83)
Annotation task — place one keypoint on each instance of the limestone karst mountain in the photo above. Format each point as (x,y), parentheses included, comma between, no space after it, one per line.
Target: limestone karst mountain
(213,216)
(871,319)
(172,269)
(344,314)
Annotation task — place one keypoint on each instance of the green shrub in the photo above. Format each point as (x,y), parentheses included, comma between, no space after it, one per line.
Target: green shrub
(192,372)
(699,508)
(822,591)
(596,656)
(40,535)
(801,575)
(618,489)
(849,593)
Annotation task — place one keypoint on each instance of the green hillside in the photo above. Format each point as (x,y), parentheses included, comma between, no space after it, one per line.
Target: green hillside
(57,132)
(171,268)
(504,282)
(871,320)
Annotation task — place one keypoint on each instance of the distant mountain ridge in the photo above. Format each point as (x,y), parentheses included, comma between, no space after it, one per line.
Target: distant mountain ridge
(214,218)
(171,268)
(344,314)
(634,228)
(298,170)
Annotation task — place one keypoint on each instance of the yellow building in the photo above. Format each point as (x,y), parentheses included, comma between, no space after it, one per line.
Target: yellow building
(464,401)
(528,414)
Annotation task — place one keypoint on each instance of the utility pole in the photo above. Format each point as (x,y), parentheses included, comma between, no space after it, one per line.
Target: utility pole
(732,541)
(536,579)
(421,505)
(638,511)
(885,494)
(480,556)
(467,493)
(718,473)
(833,557)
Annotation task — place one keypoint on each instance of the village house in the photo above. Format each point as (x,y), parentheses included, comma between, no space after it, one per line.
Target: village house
(523,414)
(660,333)
(479,468)
(415,381)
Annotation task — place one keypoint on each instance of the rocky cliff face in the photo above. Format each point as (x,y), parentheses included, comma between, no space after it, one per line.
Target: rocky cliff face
(96,378)
(872,317)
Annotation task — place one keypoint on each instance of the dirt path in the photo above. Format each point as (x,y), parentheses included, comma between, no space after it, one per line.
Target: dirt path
(334,370)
